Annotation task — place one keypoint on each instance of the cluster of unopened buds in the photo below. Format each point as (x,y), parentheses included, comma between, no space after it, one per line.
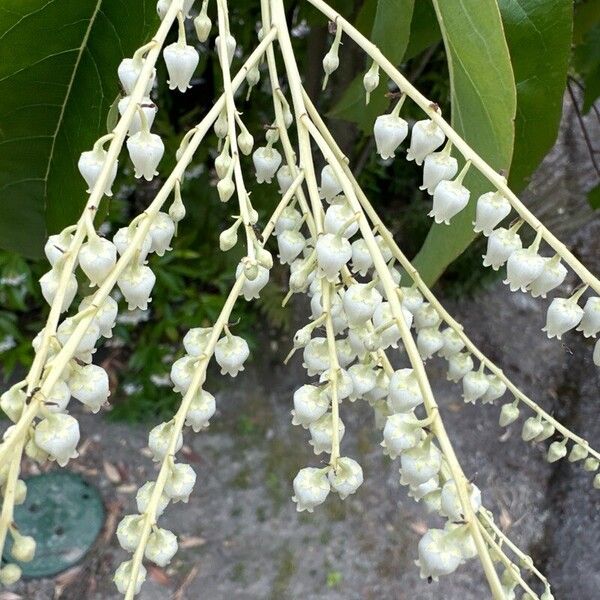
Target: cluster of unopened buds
(339,255)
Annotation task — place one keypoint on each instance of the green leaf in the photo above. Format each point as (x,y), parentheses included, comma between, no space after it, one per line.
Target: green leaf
(539,34)
(483,111)
(594,197)
(424,29)
(57,82)
(390,33)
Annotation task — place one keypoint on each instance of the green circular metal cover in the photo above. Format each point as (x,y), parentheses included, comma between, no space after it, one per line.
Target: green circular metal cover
(64,514)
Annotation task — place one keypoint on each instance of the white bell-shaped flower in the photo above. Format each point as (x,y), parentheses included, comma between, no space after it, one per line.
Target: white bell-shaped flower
(310,404)
(438,167)
(453,343)
(90,165)
(180,482)
(123,575)
(129,532)
(231,353)
(58,436)
(230,45)
(389,131)
(426,316)
(458,366)
(291,243)
(371,80)
(290,218)
(360,302)
(362,260)
(463,540)
(56,246)
(86,345)
(563,315)
(344,387)
(404,393)
(161,233)
(401,432)
(412,299)
(425,137)
(89,384)
(496,389)
(202,408)
(49,284)
(449,198)
(552,275)
(436,555)
(106,315)
(97,258)
(159,440)
(182,373)
(523,267)
(143,496)
(391,334)
(161,547)
(340,213)
(316,356)
(501,244)
(380,389)
(509,413)
(420,463)
(136,283)
(252,288)
(12,402)
(311,487)
(146,151)
(181,60)
(450,501)
(129,71)
(146,106)
(330,184)
(590,322)
(333,252)
(285,178)
(418,492)
(492,208)
(124,238)
(364,378)
(58,398)
(321,433)
(196,340)
(475,385)
(346,478)
(266,162)
(429,341)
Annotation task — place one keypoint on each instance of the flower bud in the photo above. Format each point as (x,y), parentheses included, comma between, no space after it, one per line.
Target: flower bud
(475,385)
(346,478)
(522,268)
(590,322)
(429,341)
(458,366)
(437,555)
(404,392)
(231,352)
(9,574)
(496,389)
(532,427)
(23,548)
(438,167)
(90,165)
(196,339)
(202,408)
(145,150)
(89,384)
(556,451)
(492,208)
(420,463)
(552,275)
(450,500)
(563,315)
(362,260)
(129,71)
(425,137)
(501,244)
(453,343)
(230,45)
(49,283)
(97,258)
(449,198)
(509,413)
(12,402)
(310,404)
(161,547)
(129,532)
(371,80)
(56,246)
(311,487)
(401,432)
(360,302)
(333,252)
(321,433)
(143,496)
(180,483)
(146,106)
(136,283)
(547,431)
(266,162)
(229,237)
(390,131)
(290,243)
(123,576)
(252,79)
(578,452)
(330,184)
(181,60)
(58,435)
(202,23)
(591,464)
(159,439)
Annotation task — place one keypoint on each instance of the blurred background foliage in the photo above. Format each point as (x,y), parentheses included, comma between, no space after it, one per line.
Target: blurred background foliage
(535,45)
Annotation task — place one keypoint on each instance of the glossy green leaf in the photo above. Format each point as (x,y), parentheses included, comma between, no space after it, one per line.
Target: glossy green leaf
(539,34)
(57,83)
(594,198)
(391,33)
(483,111)
(424,29)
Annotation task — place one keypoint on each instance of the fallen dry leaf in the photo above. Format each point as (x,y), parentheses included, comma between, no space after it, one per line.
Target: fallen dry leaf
(192,541)
(10,596)
(419,527)
(158,575)
(111,472)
